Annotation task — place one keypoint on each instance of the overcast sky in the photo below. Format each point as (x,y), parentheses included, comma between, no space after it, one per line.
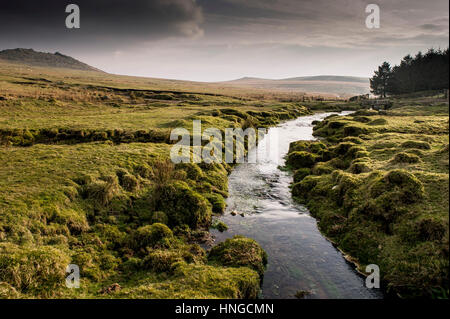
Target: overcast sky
(214,40)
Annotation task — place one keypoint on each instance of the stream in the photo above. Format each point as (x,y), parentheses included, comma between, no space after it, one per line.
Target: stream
(300,257)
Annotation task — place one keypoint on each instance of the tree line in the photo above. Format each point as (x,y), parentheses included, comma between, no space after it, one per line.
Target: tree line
(423,72)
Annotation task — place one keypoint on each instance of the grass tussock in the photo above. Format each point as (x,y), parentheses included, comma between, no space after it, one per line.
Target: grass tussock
(238,252)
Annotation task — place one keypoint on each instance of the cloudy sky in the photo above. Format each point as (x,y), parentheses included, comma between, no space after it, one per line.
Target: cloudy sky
(214,40)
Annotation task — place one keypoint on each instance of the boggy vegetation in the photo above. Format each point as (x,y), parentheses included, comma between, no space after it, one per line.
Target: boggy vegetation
(378,184)
(85,179)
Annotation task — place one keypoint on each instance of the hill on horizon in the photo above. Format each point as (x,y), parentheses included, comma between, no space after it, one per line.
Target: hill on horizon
(42,59)
(337,78)
(331,84)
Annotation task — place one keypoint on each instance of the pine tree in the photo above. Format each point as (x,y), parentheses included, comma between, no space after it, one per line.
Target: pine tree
(379,82)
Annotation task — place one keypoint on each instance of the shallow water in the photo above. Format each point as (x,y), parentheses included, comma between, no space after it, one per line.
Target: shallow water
(300,258)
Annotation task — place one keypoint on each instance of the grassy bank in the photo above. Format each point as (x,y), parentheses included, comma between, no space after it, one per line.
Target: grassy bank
(378,184)
(85,179)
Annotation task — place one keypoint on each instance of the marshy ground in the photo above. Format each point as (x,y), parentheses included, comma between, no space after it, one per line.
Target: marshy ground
(85,179)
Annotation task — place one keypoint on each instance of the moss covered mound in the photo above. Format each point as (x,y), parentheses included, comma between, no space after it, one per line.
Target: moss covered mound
(406,158)
(301,159)
(217,201)
(182,205)
(416,144)
(220,226)
(194,281)
(151,236)
(239,252)
(401,181)
(308,146)
(160,260)
(300,174)
(35,270)
(359,167)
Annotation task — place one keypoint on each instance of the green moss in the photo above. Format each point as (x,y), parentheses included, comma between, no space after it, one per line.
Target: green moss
(144,170)
(301,173)
(360,242)
(181,204)
(193,171)
(347,185)
(220,226)
(336,124)
(121,172)
(361,154)
(238,252)
(416,144)
(339,163)
(407,184)
(217,178)
(365,113)
(33,269)
(71,192)
(356,152)
(431,229)
(391,194)
(301,189)
(102,191)
(380,121)
(130,183)
(8,292)
(307,146)
(352,139)
(193,281)
(362,119)
(422,230)
(301,159)
(403,157)
(359,167)
(217,201)
(322,168)
(75,221)
(160,217)
(353,130)
(342,148)
(159,260)
(156,235)
(111,235)
(235,112)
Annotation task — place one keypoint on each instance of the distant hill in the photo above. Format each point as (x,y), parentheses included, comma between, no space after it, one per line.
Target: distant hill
(334,78)
(56,60)
(331,84)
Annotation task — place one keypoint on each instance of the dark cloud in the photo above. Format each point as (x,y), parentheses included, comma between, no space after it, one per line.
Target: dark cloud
(251,10)
(433,27)
(101,20)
